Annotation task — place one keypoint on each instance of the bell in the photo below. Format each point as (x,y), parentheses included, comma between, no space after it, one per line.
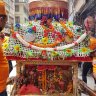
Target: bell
(92,43)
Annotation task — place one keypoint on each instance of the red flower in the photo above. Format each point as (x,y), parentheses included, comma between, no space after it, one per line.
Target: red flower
(50,26)
(78,36)
(14,35)
(44,52)
(34,28)
(59,34)
(46,33)
(58,40)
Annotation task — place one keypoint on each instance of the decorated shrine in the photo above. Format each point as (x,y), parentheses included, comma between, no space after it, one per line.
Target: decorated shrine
(48,39)
(48,35)
(47,50)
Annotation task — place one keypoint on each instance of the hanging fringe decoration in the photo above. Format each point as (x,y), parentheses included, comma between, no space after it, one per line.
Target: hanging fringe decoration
(49,12)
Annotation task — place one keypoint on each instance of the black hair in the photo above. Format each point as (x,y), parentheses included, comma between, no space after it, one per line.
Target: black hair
(3,16)
(90,14)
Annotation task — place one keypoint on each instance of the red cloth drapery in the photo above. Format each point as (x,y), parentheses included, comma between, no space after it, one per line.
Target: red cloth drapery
(29,89)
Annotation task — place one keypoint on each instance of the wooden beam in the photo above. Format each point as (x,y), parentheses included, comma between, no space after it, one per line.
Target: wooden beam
(84,87)
(46,62)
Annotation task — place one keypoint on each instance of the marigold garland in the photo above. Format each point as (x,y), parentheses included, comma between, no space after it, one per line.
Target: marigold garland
(46,31)
(49,47)
(68,32)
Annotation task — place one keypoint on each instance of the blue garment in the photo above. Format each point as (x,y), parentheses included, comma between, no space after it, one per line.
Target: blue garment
(4,93)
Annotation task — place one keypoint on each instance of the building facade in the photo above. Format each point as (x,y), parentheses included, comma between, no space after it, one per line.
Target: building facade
(81,9)
(71,10)
(74,7)
(10,11)
(9,4)
(21,11)
(88,9)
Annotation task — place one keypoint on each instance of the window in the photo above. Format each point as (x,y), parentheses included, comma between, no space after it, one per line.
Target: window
(11,20)
(16,8)
(16,1)
(26,20)
(17,19)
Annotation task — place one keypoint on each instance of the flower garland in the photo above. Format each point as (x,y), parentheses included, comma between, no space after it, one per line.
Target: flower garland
(48,27)
(68,32)
(69,52)
(85,50)
(80,39)
(5,43)
(17,48)
(46,46)
(45,39)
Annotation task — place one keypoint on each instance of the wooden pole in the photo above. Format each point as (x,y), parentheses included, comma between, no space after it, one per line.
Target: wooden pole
(75,78)
(84,86)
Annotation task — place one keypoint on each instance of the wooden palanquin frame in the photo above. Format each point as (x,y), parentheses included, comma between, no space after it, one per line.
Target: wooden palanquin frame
(74,64)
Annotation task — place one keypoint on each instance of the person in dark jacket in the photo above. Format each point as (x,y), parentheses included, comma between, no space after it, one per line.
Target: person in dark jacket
(10,66)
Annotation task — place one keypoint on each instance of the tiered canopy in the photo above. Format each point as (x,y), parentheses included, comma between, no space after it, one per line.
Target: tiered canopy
(40,8)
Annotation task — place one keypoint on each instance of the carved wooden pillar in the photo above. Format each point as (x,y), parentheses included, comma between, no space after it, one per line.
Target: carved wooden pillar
(75,78)
(17,67)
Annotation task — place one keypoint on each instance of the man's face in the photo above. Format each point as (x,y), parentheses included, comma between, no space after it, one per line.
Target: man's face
(89,22)
(3,20)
